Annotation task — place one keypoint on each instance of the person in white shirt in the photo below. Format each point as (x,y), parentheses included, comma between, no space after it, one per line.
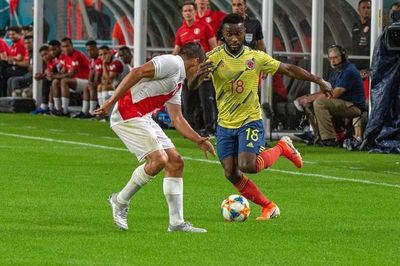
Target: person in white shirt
(143,90)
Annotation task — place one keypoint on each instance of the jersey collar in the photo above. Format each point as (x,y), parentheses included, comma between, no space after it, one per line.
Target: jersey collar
(232,55)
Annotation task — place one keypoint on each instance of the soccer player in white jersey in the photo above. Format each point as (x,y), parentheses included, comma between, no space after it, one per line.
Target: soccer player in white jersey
(143,90)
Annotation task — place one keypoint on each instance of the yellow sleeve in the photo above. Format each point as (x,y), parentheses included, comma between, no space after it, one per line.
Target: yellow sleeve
(268,64)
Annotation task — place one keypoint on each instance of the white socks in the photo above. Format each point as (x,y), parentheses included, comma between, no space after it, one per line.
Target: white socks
(172,187)
(173,191)
(65,104)
(85,106)
(139,179)
(92,106)
(100,99)
(57,103)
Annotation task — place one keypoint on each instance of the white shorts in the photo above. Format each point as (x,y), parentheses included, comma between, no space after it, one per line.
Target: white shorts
(80,84)
(142,136)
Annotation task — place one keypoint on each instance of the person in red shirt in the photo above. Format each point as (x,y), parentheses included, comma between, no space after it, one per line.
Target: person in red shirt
(17,53)
(197,104)
(118,37)
(89,97)
(194,31)
(73,75)
(48,59)
(20,82)
(113,71)
(4,51)
(214,18)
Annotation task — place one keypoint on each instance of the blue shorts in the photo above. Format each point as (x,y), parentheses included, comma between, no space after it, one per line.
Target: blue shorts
(248,138)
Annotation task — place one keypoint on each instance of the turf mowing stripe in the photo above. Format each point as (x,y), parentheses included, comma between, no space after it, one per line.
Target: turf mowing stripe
(368,182)
(63,141)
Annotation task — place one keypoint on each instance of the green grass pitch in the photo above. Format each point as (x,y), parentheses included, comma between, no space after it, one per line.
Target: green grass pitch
(341,208)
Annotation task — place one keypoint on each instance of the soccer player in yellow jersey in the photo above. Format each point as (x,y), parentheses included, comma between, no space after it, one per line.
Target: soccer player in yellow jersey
(235,70)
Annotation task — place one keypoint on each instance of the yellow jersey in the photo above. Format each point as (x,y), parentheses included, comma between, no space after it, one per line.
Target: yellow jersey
(235,79)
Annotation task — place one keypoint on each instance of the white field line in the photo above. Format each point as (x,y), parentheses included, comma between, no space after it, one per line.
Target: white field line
(353,180)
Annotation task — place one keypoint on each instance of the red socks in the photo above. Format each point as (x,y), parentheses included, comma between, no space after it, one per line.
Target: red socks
(250,191)
(267,158)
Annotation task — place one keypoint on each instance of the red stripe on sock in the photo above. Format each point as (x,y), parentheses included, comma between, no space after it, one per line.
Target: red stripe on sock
(267,158)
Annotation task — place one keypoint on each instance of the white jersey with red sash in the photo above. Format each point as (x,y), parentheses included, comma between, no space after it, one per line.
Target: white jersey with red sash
(150,94)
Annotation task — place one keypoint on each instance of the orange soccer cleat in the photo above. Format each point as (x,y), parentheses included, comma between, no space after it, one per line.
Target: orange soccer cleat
(290,152)
(269,212)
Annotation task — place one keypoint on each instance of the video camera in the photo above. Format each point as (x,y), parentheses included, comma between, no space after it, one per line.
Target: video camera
(393,37)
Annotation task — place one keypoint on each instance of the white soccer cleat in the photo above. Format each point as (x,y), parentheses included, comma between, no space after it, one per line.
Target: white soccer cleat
(186,227)
(119,214)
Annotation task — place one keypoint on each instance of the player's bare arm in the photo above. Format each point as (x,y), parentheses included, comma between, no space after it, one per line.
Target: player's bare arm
(300,73)
(144,71)
(64,74)
(180,123)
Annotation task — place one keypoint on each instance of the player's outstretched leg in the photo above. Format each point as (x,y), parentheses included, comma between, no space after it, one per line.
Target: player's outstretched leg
(284,147)
(119,211)
(173,191)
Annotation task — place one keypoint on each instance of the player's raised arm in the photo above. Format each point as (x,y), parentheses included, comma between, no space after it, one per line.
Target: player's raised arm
(300,73)
(180,123)
(147,70)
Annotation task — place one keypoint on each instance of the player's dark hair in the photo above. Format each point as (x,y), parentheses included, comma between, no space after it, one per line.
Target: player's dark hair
(363,1)
(232,19)
(125,48)
(91,43)
(14,28)
(66,39)
(27,28)
(55,43)
(104,47)
(28,37)
(192,50)
(186,3)
(43,48)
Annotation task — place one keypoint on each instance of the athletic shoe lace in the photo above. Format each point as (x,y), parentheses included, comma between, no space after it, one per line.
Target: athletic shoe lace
(123,213)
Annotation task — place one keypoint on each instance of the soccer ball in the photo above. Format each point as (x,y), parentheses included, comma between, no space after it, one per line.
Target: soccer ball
(235,208)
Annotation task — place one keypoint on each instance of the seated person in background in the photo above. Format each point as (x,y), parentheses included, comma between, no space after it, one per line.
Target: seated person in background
(73,75)
(17,53)
(46,84)
(114,70)
(89,98)
(19,82)
(345,101)
(125,54)
(27,30)
(4,51)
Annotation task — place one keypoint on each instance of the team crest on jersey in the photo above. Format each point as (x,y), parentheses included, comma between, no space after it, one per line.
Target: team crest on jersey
(208,19)
(196,31)
(250,64)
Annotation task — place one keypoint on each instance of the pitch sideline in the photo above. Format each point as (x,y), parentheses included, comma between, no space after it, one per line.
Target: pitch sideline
(368,182)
